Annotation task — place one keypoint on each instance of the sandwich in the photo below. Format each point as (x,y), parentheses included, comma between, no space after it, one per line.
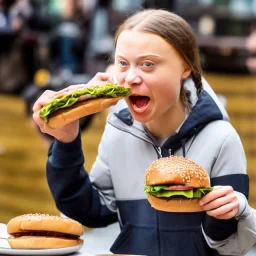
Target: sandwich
(43,231)
(61,111)
(176,184)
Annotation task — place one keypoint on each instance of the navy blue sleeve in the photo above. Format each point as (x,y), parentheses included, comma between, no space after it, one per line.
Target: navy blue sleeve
(71,188)
(221,229)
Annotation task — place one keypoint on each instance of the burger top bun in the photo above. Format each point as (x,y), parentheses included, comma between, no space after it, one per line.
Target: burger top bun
(44,222)
(176,170)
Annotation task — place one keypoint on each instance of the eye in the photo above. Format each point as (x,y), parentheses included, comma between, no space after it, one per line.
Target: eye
(122,63)
(147,64)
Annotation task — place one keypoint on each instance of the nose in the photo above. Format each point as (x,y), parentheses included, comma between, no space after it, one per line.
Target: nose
(132,77)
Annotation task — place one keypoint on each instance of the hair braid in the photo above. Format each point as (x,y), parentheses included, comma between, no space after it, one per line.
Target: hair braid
(185,98)
(197,78)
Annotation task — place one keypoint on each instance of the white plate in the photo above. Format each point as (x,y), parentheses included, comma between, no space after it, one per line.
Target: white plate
(59,251)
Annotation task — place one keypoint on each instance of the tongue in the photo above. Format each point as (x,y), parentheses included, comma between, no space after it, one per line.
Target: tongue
(140,101)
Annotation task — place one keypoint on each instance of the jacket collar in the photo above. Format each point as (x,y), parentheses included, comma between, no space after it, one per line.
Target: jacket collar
(205,109)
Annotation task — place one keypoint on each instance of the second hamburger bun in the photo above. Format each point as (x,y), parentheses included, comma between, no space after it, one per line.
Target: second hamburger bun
(80,109)
(41,231)
(41,242)
(44,222)
(177,170)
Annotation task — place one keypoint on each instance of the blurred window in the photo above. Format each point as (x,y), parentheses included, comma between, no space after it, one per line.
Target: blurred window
(225,17)
(126,5)
(55,8)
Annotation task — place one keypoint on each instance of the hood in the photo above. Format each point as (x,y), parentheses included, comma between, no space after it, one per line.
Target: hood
(205,109)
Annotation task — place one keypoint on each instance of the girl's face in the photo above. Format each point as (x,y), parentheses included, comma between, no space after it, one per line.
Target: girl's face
(153,69)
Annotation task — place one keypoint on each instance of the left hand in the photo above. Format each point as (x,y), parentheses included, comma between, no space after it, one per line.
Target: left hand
(221,202)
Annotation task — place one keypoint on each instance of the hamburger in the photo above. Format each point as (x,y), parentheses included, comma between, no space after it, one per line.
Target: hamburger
(61,111)
(43,231)
(176,184)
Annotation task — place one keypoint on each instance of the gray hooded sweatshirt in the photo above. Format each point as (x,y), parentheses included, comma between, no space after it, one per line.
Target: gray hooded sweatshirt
(114,190)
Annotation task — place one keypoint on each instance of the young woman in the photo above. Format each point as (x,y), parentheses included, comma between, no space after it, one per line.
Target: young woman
(169,114)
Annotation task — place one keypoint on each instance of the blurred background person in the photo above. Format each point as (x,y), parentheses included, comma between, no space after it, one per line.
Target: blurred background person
(13,16)
(251,46)
(60,54)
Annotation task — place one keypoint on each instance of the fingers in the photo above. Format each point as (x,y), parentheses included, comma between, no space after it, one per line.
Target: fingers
(104,77)
(227,211)
(69,90)
(46,97)
(221,202)
(98,80)
(218,191)
(41,123)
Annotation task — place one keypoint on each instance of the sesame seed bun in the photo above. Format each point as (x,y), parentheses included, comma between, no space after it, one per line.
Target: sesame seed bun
(177,170)
(180,173)
(41,231)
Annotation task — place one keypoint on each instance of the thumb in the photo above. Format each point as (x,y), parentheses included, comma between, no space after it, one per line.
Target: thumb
(102,77)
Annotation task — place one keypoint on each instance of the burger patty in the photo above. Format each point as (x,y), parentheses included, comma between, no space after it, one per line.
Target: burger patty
(179,187)
(45,233)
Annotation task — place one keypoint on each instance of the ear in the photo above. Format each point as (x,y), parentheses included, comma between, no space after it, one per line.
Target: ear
(186,71)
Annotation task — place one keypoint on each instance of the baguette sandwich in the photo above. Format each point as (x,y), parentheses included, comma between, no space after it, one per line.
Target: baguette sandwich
(61,111)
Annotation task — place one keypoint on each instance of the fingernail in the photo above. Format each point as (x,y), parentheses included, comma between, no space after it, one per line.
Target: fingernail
(201,203)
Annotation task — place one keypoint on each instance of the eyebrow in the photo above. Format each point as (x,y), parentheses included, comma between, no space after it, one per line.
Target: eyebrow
(149,55)
(145,55)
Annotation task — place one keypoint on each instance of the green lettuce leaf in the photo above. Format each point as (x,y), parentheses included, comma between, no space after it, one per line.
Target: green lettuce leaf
(107,91)
(161,191)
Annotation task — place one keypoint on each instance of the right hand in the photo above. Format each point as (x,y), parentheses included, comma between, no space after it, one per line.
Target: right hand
(64,134)
(69,132)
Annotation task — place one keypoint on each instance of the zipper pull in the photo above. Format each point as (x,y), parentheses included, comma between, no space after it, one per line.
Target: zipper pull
(159,151)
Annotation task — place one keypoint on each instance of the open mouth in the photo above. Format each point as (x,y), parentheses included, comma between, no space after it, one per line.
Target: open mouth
(139,103)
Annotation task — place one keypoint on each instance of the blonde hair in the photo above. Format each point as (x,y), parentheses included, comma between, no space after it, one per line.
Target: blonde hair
(177,32)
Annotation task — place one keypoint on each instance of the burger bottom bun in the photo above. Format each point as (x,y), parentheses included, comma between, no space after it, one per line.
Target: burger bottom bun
(175,204)
(42,242)
(80,109)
